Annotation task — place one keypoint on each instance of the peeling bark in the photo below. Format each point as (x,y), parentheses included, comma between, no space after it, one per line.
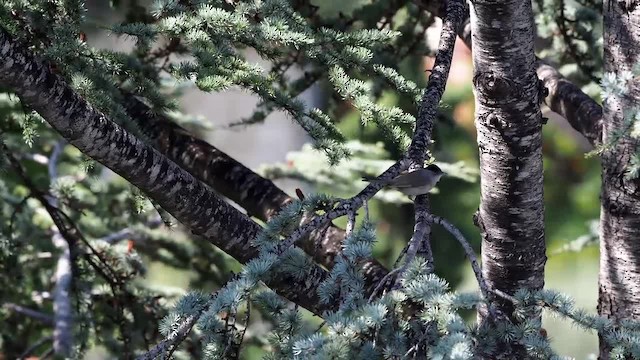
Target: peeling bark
(619,280)
(173,188)
(509,125)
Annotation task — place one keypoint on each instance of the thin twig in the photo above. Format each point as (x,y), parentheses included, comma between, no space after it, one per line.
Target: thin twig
(468,249)
(247,317)
(129,232)
(401,255)
(47,354)
(172,340)
(35,345)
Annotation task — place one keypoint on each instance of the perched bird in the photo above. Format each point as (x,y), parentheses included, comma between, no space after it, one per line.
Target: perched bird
(413,183)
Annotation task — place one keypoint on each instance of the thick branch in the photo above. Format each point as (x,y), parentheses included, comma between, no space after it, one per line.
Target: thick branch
(173,188)
(566,99)
(259,196)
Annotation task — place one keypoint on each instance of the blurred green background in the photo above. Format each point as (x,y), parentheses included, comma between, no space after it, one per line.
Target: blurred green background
(572,185)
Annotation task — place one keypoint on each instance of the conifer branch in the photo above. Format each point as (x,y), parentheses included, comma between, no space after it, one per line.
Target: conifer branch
(260,197)
(94,134)
(172,340)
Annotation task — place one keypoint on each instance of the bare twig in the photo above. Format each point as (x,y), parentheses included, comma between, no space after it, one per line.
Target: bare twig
(471,255)
(247,317)
(420,232)
(129,232)
(47,354)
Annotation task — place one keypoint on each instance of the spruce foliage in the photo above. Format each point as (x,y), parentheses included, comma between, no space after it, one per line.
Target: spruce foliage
(113,231)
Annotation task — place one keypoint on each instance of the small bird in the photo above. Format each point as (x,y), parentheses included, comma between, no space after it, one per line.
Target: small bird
(414,183)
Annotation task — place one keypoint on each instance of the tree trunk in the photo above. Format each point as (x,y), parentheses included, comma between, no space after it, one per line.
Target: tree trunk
(509,125)
(619,283)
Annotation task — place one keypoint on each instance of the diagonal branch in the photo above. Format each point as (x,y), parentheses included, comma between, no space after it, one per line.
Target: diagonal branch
(566,99)
(173,188)
(416,153)
(259,196)
(35,314)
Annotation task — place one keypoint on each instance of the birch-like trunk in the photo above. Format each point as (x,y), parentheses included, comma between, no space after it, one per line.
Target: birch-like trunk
(619,288)
(509,125)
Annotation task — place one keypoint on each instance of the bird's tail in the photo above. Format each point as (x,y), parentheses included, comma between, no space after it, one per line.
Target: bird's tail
(371,179)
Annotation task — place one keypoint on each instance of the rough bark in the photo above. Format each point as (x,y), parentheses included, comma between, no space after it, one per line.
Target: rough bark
(509,126)
(260,197)
(564,98)
(177,191)
(619,280)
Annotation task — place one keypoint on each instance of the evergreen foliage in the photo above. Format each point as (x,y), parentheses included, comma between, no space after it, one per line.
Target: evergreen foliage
(113,231)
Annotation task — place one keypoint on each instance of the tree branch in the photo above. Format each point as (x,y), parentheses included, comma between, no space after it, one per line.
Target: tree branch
(421,137)
(566,99)
(259,196)
(424,128)
(62,312)
(172,340)
(173,188)
(35,314)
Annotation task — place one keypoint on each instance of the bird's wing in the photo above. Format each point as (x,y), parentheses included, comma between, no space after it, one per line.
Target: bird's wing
(406,180)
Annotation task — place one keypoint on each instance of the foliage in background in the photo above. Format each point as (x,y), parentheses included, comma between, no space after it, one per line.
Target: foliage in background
(357,50)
